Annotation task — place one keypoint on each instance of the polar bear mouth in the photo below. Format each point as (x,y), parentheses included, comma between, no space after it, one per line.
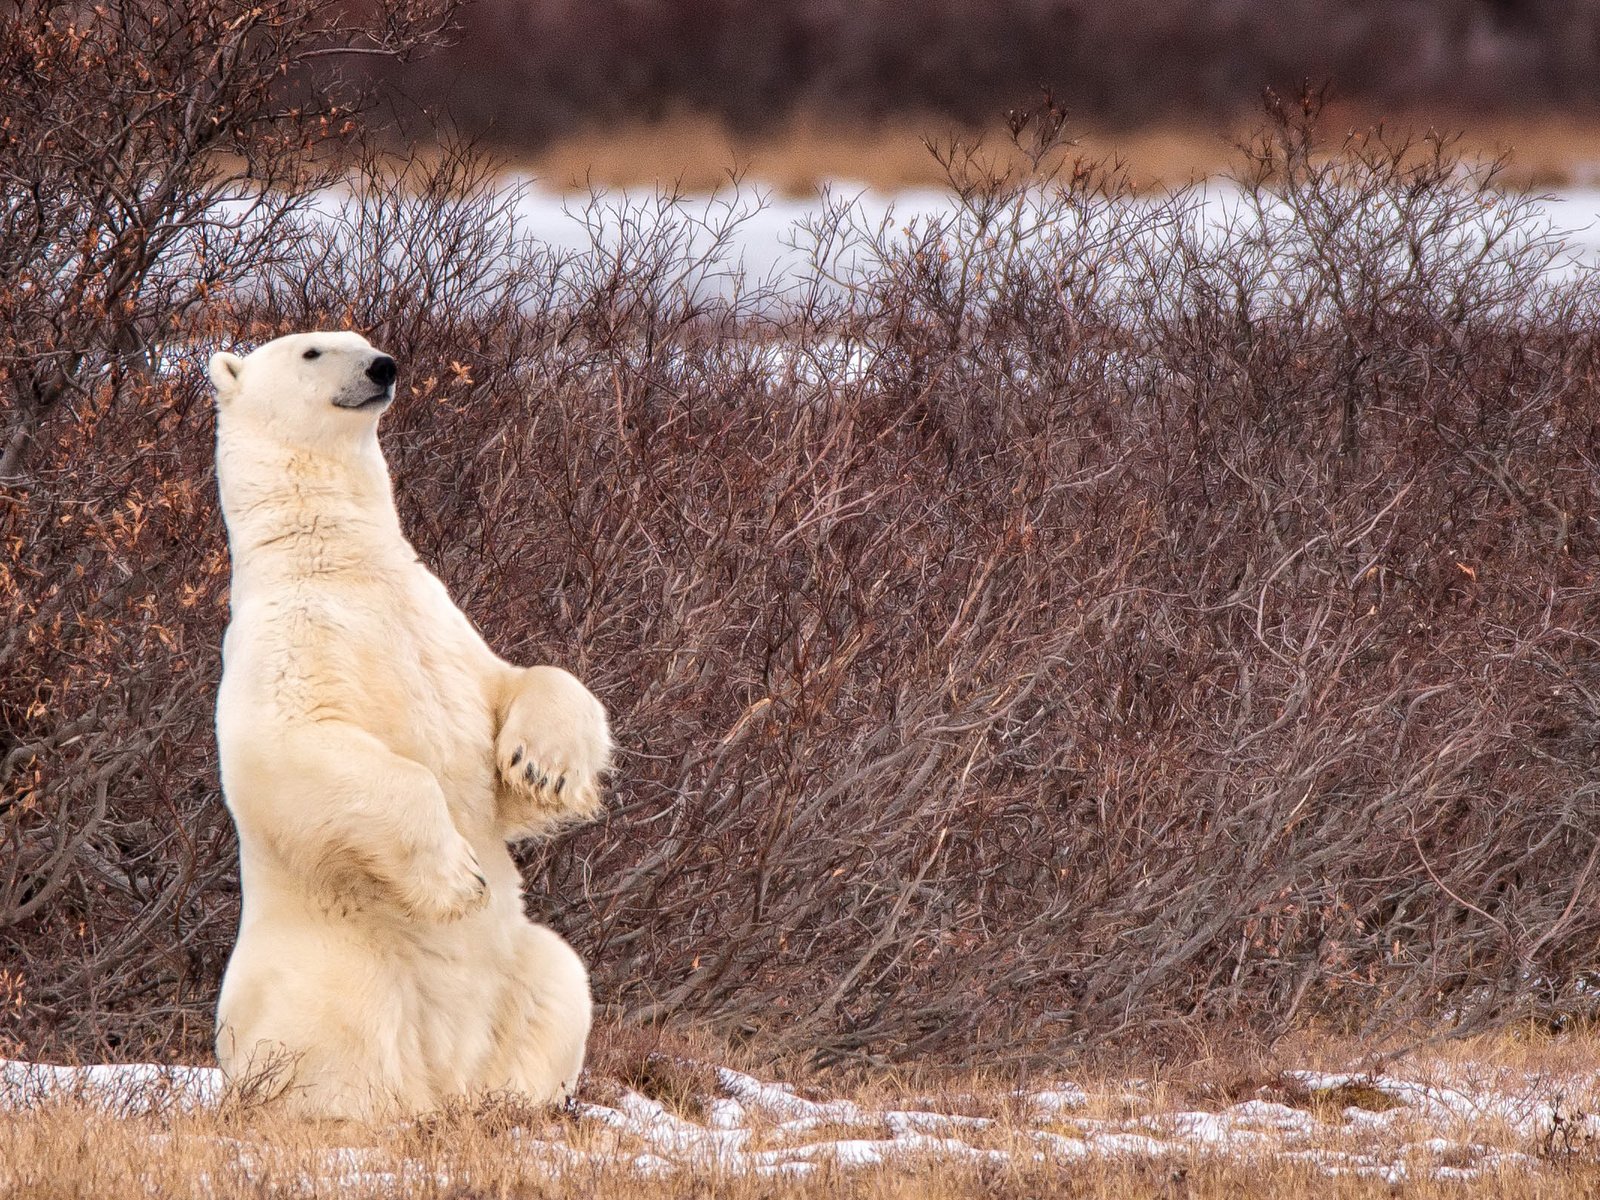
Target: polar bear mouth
(381,398)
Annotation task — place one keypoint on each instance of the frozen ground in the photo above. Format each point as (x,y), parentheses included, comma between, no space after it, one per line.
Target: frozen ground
(1456,1124)
(766,229)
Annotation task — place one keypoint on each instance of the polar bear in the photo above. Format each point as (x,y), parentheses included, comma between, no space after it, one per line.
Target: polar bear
(377,757)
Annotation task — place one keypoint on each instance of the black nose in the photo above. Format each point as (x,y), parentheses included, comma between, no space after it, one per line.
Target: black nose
(382,371)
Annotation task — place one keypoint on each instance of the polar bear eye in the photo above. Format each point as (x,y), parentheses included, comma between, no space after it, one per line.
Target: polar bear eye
(310,354)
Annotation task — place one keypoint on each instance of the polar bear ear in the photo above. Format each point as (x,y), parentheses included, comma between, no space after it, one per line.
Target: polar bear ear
(224,371)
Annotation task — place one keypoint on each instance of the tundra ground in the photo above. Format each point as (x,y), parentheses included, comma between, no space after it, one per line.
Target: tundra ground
(1504,1116)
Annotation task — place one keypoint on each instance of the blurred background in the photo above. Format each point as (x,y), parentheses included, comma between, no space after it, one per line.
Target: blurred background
(798,91)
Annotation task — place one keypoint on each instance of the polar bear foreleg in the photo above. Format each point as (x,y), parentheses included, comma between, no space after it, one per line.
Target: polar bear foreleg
(345,805)
(552,748)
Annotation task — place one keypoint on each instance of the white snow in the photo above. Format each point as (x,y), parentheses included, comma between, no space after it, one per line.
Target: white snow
(1439,1127)
(769,236)
(1441,1102)
(131,1088)
(1057,1098)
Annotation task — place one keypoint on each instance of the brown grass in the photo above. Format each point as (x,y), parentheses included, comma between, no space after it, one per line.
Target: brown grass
(68,1150)
(699,152)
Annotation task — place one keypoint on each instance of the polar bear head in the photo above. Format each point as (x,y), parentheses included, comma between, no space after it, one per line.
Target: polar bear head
(317,389)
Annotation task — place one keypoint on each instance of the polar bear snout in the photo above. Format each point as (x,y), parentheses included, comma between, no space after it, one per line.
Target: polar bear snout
(382,371)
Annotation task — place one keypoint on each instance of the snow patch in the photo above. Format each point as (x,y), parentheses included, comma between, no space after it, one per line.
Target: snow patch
(128,1089)
(1436,1129)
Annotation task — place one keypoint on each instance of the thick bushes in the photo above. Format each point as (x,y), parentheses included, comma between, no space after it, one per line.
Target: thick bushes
(1077,618)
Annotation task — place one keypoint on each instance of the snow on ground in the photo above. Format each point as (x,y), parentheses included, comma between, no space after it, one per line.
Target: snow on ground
(1381,1126)
(769,235)
(715,243)
(129,1089)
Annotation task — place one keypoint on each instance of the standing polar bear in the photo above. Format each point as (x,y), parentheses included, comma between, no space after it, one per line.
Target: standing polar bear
(377,756)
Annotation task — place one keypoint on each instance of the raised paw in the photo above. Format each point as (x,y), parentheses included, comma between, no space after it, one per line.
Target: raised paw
(448,887)
(551,784)
(552,750)
(524,772)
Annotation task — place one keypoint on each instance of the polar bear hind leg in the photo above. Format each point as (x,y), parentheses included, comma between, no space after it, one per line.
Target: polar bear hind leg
(545,1022)
(309,1046)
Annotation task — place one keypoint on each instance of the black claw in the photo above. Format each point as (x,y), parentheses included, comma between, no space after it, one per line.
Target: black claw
(560,783)
(482,882)
(517,757)
(529,773)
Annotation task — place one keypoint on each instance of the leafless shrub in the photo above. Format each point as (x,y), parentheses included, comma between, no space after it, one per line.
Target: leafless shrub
(155,159)
(1076,619)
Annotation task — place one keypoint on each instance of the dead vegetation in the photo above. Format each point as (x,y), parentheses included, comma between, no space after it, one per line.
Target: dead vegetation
(74,1148)
(1068,623)
(805,152)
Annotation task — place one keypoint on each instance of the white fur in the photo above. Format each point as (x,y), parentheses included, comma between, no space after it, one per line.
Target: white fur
(377,756)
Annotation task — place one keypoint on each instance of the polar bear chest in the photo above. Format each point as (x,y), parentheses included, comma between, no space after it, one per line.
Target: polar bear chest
(387,652)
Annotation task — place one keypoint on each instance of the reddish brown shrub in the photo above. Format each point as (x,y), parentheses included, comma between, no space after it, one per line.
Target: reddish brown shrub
(1074,620)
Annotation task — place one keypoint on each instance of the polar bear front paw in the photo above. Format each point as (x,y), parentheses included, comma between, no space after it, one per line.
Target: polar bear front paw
(450,887)
(554,746)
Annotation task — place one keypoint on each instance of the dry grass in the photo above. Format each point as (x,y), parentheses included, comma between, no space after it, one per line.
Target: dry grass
(699,152)
(500,1150)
